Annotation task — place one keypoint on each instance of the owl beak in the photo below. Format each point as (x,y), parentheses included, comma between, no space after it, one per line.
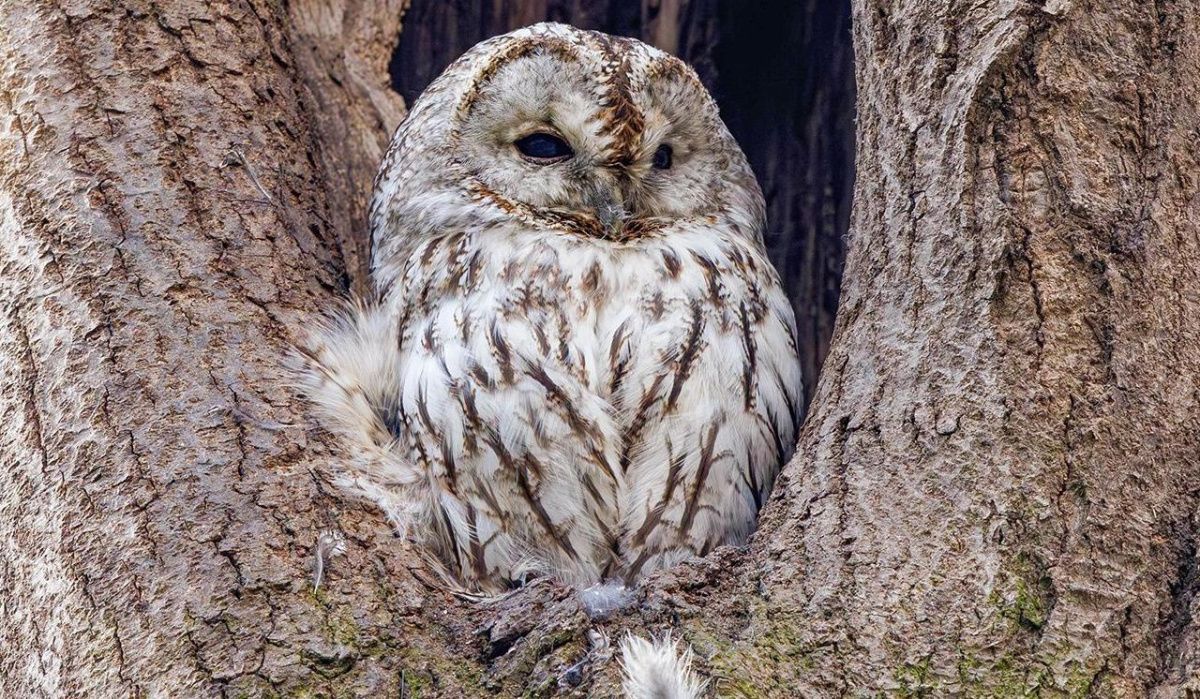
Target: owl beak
(609,205)
(612,217)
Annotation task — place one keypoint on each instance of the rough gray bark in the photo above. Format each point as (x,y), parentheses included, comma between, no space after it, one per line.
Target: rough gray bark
(171,212)
(995,493)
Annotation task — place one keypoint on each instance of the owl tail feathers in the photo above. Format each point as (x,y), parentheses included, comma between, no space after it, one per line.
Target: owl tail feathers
(655,669)
(350,370)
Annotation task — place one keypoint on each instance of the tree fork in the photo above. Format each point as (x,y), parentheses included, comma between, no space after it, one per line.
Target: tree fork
(995,491)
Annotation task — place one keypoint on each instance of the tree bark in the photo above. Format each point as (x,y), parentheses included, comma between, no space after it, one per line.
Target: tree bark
(995,493)
(175,190)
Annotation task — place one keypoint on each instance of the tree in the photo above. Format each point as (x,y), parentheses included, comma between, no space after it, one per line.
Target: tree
(995,492)
(996,488)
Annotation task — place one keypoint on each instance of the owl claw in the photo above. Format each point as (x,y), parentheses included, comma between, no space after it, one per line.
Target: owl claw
(526,579)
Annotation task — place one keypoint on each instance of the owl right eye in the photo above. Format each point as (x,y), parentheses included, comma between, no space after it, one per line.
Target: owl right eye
(544,148)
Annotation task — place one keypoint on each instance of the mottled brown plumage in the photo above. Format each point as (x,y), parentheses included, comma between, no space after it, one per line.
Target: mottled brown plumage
(581,366)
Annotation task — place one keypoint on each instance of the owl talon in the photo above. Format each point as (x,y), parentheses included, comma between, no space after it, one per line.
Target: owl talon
(526,579)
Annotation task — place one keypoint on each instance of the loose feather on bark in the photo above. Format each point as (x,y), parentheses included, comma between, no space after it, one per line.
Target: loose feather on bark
(655,669)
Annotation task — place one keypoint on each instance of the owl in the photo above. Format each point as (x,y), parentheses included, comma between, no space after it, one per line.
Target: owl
(579,361)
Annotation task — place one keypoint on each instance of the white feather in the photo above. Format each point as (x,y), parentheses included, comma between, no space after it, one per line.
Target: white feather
(351,374)
(655,669)
(604,598)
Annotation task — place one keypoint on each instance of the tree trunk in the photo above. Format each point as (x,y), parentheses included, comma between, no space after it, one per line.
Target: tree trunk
(995,493)
(179,191)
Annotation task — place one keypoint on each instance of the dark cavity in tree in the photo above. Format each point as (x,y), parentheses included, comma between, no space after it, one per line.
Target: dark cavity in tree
(783,74)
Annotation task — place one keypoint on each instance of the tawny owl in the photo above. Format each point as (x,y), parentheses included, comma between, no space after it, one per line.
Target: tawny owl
(580,362)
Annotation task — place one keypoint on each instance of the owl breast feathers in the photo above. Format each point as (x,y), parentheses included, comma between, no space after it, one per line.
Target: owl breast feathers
(580,361)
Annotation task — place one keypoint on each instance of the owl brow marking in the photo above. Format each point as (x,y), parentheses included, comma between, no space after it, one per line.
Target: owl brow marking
(622,121)
(517,48)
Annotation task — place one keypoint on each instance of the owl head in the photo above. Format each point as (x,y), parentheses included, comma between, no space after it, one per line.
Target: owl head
(570,131)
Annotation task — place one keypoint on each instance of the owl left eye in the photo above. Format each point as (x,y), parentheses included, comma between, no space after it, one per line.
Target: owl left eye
(663,157)
(544,148)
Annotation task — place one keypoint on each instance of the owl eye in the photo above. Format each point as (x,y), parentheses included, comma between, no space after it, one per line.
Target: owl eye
(544,148)
(662,157)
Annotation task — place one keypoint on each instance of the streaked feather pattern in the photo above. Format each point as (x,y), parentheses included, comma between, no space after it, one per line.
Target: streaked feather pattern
(532,394)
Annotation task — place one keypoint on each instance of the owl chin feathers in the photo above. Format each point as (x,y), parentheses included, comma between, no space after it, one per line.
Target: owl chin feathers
(579,362)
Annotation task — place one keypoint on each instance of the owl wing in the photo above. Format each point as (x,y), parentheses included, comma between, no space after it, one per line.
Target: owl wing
(707,384)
